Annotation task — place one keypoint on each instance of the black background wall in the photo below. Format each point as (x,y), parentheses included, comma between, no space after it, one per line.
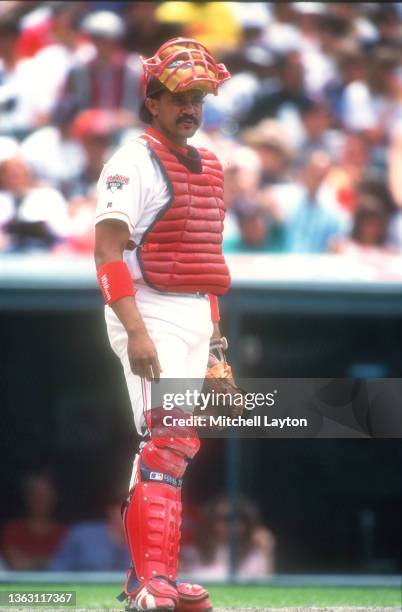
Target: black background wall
(334,505)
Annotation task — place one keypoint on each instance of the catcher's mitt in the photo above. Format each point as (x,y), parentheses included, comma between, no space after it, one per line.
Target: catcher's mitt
(219,380)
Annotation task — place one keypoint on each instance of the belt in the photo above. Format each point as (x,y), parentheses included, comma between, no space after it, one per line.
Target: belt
(140,282)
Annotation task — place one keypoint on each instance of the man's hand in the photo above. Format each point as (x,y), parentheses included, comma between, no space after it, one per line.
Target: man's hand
(143,356)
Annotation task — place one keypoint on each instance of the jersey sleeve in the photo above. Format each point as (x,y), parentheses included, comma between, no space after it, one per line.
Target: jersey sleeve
(121,193)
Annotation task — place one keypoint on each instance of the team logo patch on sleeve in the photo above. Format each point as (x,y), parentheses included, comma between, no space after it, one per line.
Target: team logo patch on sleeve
(116,181)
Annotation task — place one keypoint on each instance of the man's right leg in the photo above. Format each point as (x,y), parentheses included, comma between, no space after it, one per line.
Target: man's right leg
(152,519)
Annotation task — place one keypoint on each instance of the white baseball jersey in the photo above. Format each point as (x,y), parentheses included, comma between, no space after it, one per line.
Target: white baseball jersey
(131,189)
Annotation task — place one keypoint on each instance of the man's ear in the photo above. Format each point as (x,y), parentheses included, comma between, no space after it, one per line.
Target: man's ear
(152,104)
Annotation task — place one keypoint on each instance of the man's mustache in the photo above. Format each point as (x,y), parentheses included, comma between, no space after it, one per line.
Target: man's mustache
(187,118)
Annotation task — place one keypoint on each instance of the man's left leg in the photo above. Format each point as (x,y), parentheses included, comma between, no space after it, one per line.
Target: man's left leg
(158,472)
(152,519)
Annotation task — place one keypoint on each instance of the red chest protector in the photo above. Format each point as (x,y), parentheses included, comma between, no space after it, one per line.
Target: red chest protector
(181,252)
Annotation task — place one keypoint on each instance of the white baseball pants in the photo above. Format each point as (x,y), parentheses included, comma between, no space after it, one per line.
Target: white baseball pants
(181,328)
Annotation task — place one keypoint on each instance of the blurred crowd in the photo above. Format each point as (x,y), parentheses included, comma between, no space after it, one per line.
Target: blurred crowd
(36,540)
(309,129)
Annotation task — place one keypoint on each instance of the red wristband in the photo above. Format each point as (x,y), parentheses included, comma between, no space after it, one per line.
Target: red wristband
(115,281)
(213,301)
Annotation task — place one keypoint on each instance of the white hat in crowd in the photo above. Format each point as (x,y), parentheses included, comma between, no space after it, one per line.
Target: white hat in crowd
(103,24)
(309,8)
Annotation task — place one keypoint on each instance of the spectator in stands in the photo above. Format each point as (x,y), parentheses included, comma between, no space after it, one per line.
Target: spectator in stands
(360,20)
(308,213)
(36,23)
(54,155)
(145,33)
(251,63)
(96,545)
(252,68)
(372,223)
(17,85)
(285,98)
(387,19)
(209,556)
(253,19)
(307,19)
(318,66)
(258,233)
(272,143)
(317,132)
(58,57)
(41,23)
(371,105)
(110,79)
(322,77)
(350,68)
(379,190)
(242,170)
(29,543)
(33,216)
(334,32)
(281,34)
(94,130)
(349,170)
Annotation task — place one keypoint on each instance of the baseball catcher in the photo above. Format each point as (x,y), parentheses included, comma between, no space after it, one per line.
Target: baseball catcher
(160,266)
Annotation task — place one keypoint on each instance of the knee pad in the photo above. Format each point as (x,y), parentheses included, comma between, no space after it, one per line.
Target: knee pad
(170,448)
(169,456)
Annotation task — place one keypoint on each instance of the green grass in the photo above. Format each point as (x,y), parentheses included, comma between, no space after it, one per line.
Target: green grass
(104,596)
(279,597)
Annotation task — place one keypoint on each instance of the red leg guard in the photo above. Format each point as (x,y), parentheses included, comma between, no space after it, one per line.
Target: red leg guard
(153,516)
(152,522)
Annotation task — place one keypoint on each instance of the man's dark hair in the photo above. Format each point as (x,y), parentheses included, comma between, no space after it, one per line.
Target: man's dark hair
(154,90)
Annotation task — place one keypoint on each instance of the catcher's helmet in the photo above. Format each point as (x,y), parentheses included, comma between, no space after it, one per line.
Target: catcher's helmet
(179,65)
(183,63)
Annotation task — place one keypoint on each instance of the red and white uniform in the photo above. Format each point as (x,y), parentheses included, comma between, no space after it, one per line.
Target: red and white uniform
(172,204)
(132,189)
(171,199)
